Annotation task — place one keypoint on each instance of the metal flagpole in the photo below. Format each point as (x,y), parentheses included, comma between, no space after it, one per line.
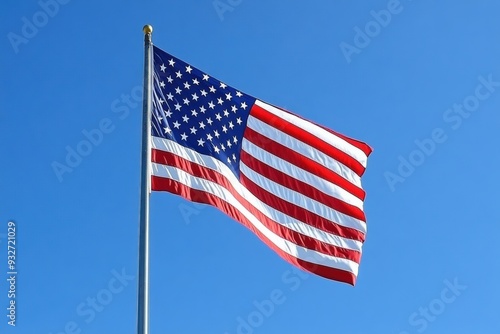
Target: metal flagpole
(143,290)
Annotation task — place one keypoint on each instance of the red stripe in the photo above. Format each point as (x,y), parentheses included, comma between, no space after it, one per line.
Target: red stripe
(308,242)
(367,150)
(163,184)
(301,161)
(301,187)
(307,138)
(328,272)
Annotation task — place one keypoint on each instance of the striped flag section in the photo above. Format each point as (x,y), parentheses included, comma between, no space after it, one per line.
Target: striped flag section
(295,184)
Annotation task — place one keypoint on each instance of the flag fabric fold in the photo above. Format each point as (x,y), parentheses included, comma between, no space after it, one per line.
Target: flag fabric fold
(295,184)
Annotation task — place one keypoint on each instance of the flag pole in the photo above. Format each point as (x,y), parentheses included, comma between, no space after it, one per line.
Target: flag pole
(143,282)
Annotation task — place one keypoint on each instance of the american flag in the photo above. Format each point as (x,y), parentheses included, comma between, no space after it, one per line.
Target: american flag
(293,183)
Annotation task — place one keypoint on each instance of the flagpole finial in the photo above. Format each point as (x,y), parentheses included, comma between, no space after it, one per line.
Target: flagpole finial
(148,29)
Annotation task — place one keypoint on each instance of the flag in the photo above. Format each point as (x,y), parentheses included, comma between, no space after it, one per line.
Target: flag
(295,184)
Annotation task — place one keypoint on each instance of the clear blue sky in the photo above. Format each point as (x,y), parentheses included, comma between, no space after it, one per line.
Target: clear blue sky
(421,86)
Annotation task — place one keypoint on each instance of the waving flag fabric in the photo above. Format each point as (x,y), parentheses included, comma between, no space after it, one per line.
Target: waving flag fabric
(295,184)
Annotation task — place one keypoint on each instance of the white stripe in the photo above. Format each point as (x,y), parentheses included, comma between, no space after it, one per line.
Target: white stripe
(317,131)
(191,155)
(319,183)
(302,201)
(304,149)
(224,194)
(271,213)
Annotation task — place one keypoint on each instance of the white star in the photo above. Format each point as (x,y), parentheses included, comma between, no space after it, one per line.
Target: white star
(202,109)
(159,119)
(243,105)
(194,113)
(235,140)
(238,120)
(209,136)
(231,125)
(209,121)
(211,105)
(177,124)
(203,92)
(170,96)
(184,136)
(169,79)
(177,106)
(188,69)
(178,74)
(223,147)
(202,125)
(216,134)
(167,130)
(216,149)
(195,81)
(162,84)
(162,67)
(228,160)
(161,101)
(218,116)
(195,97)
(186,101)
(228,96)
(238,94)
(223,85)
(229,143)
(193,130)
(187,85)
(220,101)
(185,118)
(201,142)
(226,113)
(234,157)
(212,89)
(234,109)
(168,113)
(224,129)
(171,62)
(178,90)
(205,77)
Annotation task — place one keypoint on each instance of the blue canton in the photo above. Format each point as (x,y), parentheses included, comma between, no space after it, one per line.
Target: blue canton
(198,111)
